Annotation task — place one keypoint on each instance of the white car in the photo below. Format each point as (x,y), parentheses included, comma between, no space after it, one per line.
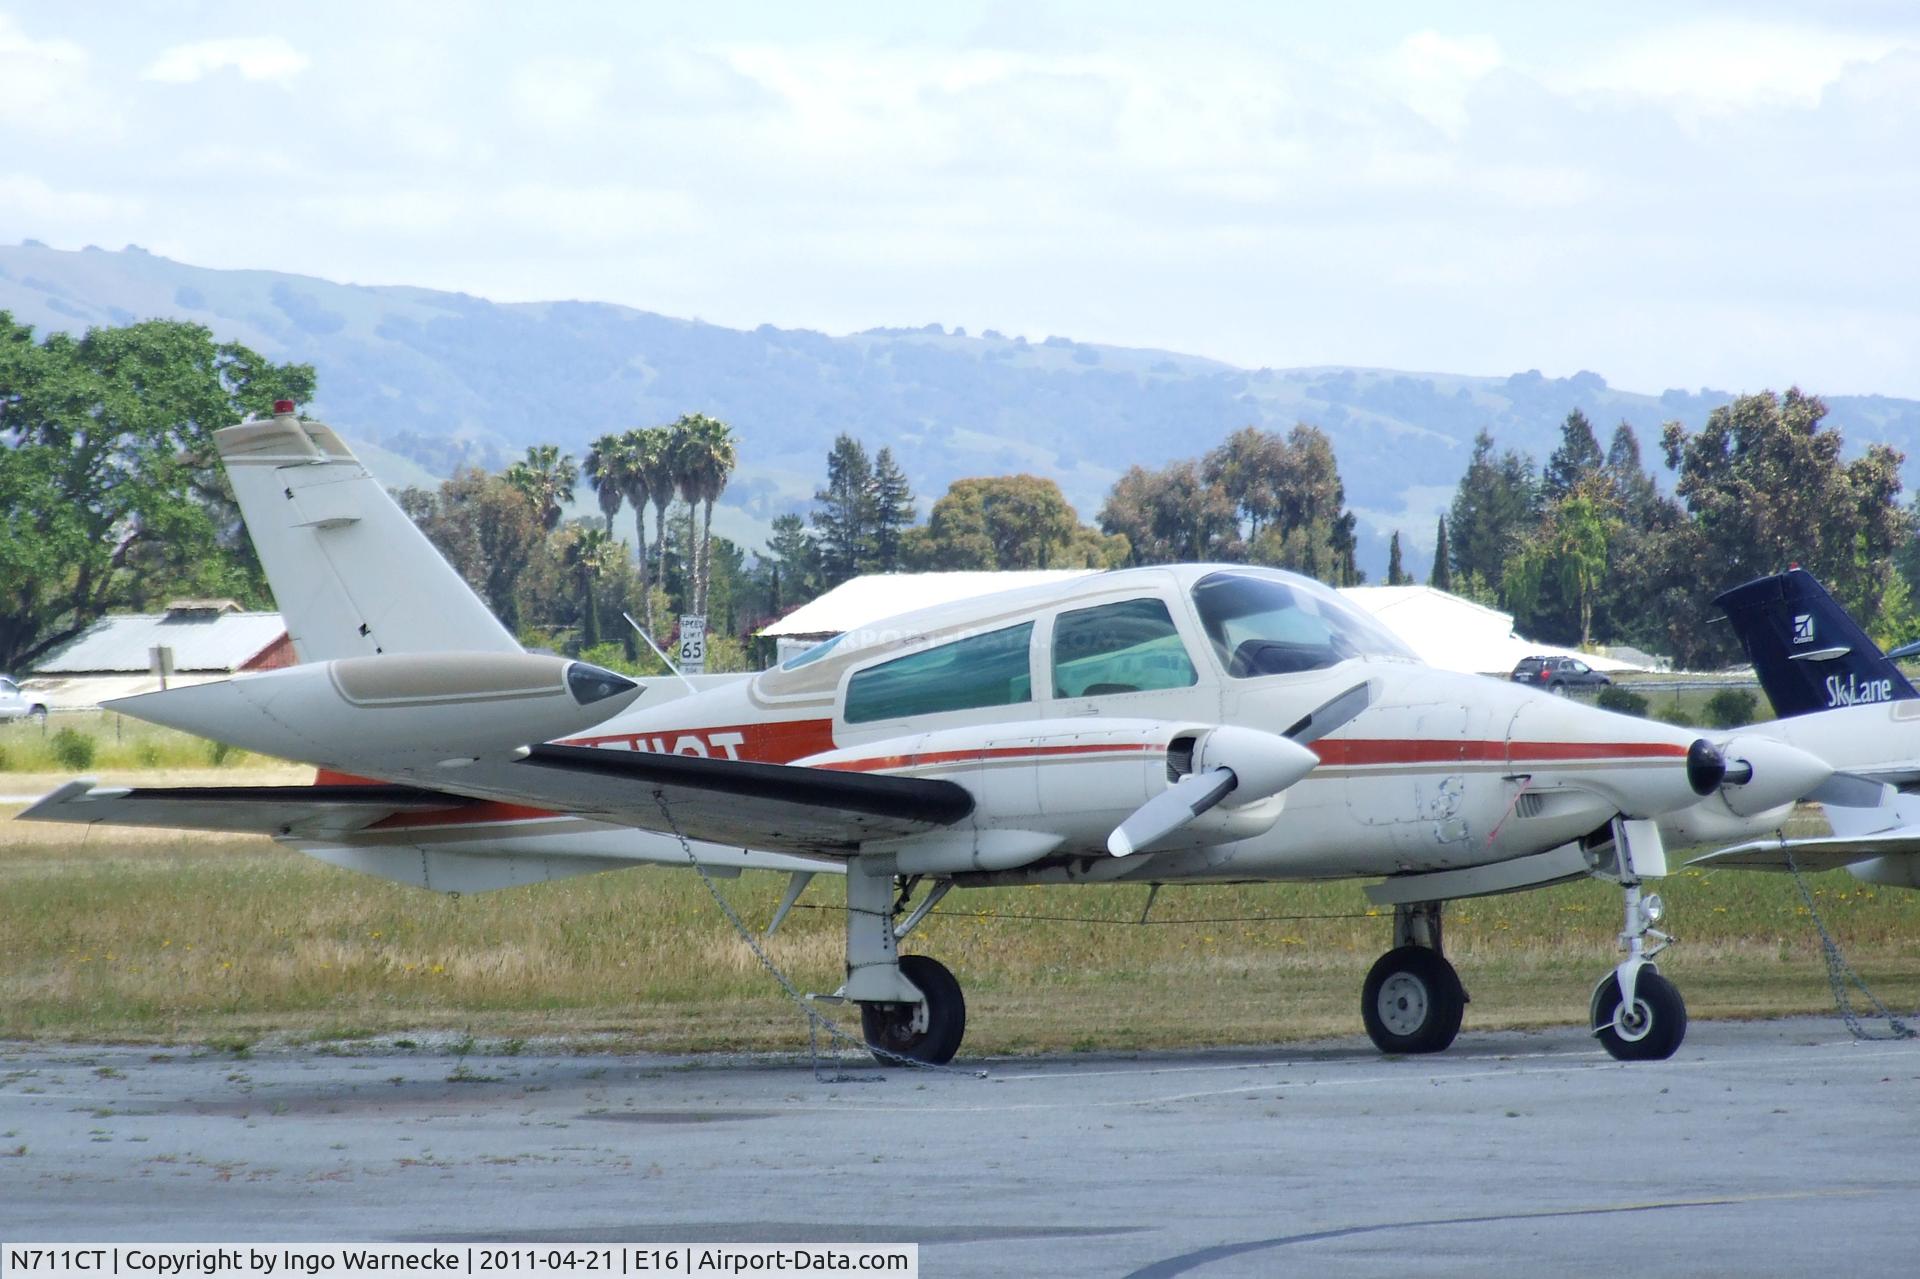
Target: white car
(17,703)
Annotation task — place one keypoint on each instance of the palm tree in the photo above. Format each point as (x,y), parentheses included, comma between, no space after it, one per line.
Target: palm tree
(656,465)
(635,487)
(606,471)
(547,477)
(587,557)
(704,449)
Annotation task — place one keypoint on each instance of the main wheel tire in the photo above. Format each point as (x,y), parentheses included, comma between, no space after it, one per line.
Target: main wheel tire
(1413,1001)
(889,1027)
(1652,1029)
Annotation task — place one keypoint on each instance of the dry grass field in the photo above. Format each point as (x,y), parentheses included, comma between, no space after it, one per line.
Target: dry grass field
(165,937)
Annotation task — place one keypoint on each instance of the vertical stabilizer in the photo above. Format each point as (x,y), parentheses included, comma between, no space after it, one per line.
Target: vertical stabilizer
(351,573)
(1809,654)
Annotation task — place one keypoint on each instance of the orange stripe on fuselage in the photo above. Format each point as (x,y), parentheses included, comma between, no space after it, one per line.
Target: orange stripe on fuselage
(773,742)
(1361,752)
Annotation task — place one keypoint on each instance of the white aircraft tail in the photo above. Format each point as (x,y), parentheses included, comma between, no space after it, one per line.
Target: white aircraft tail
(352,574)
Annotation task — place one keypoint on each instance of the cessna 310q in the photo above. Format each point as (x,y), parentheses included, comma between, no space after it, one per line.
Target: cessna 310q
(1152,725)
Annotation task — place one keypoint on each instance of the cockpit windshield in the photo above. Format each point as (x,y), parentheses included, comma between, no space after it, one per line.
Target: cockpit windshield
(1265,622)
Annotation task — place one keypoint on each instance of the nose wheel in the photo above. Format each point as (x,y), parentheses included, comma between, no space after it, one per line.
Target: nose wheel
(1648,1029)
(928,1031)
(1638,1015)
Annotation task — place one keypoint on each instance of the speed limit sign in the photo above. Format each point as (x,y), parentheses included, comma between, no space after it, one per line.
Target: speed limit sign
(693,644)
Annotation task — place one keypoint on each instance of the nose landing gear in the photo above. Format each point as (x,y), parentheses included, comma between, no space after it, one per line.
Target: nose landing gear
(1636,1013)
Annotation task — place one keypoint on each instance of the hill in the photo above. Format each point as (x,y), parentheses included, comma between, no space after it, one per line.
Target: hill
(434,379)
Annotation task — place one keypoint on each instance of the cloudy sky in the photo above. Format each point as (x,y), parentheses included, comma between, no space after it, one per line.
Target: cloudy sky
(1719,196)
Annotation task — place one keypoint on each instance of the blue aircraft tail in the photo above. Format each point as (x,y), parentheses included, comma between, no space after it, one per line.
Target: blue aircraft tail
(1809,655)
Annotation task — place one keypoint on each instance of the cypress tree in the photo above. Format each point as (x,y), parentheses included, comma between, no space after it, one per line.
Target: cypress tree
(1442,576)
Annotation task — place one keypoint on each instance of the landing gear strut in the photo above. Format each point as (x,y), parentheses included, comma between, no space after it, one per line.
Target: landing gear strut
(1413,1000)
(910,1006)
(1636,1013)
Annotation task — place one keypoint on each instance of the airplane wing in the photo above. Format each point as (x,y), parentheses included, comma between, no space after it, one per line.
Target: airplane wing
(266,810)
(776,807)
(779,808)
(1817,853)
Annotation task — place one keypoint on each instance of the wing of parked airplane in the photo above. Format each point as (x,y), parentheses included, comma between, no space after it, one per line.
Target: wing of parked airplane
(773,807)
(1815,853)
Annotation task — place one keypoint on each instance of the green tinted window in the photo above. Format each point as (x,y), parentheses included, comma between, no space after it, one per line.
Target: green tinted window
(1118,648)
(986,670)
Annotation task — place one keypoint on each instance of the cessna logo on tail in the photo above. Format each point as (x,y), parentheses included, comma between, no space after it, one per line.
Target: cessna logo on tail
(1851,692)
(1803,629)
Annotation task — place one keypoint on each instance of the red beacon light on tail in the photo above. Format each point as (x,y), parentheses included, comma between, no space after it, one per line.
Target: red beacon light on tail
(283,408)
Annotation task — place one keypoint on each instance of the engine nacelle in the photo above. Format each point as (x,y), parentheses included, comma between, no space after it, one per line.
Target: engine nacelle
(1763,773)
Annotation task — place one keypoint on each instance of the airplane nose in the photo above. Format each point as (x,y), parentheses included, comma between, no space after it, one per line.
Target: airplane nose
(589,683)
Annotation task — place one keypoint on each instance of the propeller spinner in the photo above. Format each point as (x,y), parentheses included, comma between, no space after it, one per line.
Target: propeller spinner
(1231,760)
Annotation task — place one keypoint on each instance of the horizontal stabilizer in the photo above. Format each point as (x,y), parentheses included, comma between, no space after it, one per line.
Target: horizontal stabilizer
(266,810)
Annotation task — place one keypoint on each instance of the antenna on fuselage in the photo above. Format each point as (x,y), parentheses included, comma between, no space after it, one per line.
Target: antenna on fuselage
(642,632)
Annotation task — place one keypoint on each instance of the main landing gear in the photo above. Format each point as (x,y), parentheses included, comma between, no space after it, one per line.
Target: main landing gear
(911,1006)
(1413,1000)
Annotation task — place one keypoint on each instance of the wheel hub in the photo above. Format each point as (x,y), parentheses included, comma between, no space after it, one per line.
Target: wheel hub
(1632,1024)
(1403,1003)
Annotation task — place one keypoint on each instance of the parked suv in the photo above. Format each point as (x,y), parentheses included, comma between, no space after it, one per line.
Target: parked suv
(1557,674)
(16,703)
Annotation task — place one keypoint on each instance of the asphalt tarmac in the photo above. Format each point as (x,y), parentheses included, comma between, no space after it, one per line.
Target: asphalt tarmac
(1765,1148)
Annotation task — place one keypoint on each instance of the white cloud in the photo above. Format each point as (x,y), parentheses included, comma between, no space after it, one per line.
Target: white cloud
(563,93)
(254,57)
(32,203)
(44,89)
(1724,65)
(1433,74)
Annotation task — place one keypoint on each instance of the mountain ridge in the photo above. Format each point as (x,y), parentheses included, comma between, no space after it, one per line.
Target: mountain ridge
(426,380)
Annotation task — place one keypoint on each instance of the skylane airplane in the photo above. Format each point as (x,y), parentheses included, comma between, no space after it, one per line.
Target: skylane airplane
(1840,697)
(1154,725)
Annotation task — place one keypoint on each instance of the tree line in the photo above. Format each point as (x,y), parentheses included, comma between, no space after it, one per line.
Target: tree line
(1587,547)
(111,498)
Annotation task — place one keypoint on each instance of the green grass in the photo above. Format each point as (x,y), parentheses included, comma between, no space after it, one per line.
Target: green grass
(208,939)
(119,743)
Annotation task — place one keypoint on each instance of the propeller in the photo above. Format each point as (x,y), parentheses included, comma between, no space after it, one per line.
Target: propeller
(1229,759)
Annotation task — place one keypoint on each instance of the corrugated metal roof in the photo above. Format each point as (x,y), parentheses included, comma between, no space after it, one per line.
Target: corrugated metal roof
(222,642)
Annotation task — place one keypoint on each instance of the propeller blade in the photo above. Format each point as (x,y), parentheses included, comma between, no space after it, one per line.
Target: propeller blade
(1320,721)
(1173,808)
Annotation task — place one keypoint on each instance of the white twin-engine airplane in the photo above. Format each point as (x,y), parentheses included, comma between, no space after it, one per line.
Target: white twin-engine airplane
(1154,725)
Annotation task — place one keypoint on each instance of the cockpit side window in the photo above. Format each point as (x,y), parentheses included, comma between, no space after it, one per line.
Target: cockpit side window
(982,670)
(1128,647)
(1273,624)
